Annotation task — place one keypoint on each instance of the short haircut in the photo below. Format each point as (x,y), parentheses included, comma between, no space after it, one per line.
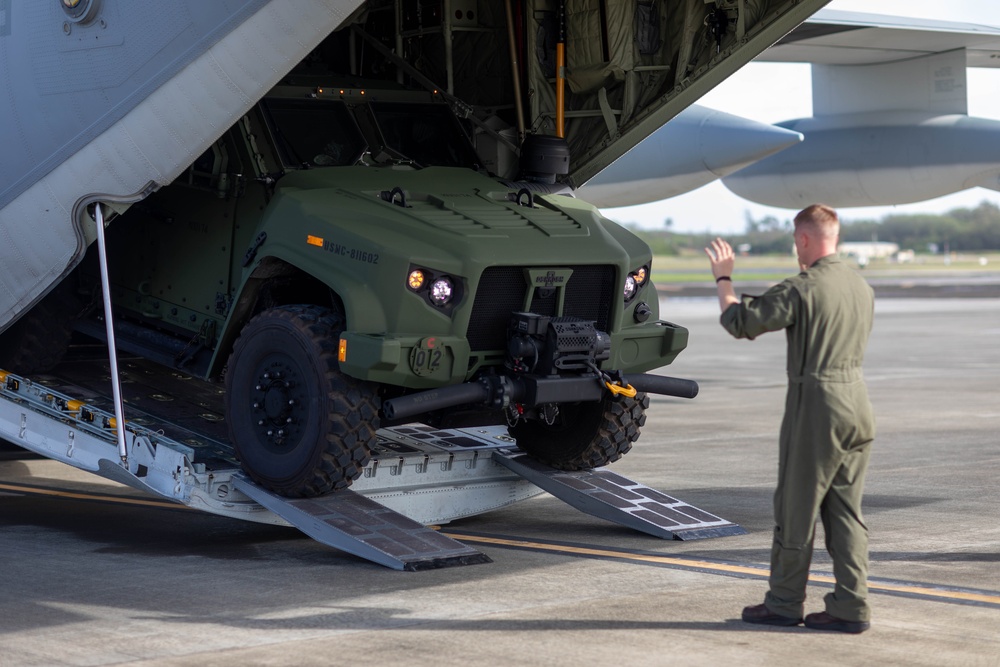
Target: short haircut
(820,218)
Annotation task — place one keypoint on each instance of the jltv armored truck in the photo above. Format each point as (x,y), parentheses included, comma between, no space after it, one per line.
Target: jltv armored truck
(330,296)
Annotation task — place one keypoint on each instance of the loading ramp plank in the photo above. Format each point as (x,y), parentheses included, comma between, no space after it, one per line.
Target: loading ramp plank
(607,495)
(358,525)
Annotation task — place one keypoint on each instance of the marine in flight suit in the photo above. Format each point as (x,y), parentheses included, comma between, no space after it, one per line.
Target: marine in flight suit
(828,426)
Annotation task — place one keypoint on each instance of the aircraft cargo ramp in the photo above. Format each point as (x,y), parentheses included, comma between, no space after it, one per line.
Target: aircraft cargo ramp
(108,100)
(417,476)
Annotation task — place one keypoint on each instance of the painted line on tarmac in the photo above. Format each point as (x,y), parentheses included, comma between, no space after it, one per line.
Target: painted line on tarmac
(78,495)
(888,587)
(901,588)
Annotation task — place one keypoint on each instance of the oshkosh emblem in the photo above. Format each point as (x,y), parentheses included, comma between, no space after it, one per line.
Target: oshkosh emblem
(548,278)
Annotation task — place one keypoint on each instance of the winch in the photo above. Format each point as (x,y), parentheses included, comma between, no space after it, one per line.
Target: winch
(543,345)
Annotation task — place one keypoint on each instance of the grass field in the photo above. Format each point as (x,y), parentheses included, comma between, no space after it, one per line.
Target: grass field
(693,267)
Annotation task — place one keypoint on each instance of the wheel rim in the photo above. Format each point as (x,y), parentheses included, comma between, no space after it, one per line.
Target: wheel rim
(278,404)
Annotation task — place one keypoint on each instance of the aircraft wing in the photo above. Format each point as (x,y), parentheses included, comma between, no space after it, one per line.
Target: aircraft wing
(871,62)
(890,118)
(834,37)
(891,123)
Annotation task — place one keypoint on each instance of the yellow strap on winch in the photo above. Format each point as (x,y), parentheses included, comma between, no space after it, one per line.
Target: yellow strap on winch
(628,391)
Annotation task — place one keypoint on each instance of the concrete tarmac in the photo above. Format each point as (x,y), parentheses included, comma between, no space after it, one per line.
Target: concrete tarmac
(92,576)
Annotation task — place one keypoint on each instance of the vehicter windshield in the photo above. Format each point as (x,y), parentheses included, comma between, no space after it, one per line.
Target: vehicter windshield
(314,133)
(428,134)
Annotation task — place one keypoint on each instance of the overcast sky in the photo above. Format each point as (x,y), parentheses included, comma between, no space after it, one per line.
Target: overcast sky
(773,92)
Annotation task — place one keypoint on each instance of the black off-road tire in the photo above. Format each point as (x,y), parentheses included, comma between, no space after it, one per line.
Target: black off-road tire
(38,341)
(300,427)
(584,435)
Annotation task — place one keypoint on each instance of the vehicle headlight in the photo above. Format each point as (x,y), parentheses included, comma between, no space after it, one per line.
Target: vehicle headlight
(437,288)
(630,287)
(441,291)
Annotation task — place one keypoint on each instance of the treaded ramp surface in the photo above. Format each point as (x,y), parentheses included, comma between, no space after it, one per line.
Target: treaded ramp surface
(609,496)
(348,521)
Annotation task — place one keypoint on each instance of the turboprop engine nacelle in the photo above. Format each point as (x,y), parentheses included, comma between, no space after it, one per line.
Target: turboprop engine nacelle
(696,147)
(875,159)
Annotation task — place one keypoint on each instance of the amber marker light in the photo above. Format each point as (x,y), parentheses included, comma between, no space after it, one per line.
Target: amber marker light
(8,382)
(314,240)
(415,280)
(342,350)
(641,275)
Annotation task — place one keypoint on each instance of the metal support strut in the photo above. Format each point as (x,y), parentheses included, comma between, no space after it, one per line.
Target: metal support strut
(109,323)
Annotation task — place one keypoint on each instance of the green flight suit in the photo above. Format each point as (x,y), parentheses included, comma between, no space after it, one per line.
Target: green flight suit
(828,426)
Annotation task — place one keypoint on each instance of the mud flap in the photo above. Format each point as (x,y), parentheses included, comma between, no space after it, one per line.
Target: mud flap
(350,522)
(609,496)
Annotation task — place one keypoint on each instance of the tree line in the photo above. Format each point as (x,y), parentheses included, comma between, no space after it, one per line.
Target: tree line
(958,230)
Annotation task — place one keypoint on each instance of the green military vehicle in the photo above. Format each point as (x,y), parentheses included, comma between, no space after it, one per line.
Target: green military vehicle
(341,259)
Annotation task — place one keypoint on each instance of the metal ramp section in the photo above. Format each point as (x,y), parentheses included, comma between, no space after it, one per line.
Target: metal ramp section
(418,475)
(350,522)
(609,496)
(424,475)
(435,476)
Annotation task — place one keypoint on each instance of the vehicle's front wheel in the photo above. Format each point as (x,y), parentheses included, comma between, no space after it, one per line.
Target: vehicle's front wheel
(300,427)
(584,435)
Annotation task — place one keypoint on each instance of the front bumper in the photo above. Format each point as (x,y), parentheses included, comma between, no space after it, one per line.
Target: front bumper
(643,348)
(422,362)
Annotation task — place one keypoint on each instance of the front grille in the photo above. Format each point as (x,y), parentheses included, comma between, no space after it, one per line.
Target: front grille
(589,291)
